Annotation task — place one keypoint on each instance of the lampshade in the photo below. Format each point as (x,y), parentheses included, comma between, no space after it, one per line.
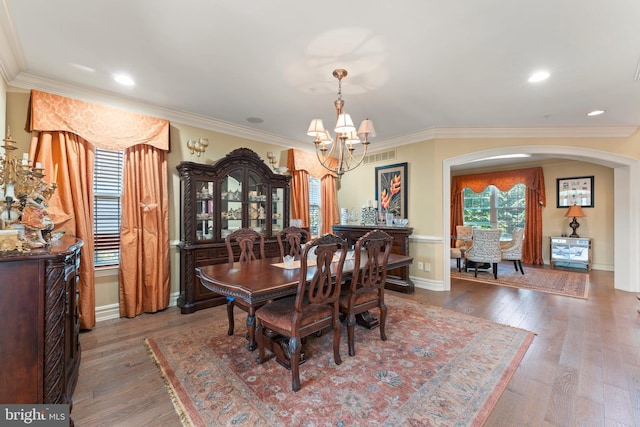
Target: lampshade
(344,124)
(575,211)
(366,128)
(352,137)
(316,128)
(326,137)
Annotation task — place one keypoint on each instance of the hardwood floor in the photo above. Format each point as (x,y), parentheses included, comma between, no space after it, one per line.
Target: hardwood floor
(582,369)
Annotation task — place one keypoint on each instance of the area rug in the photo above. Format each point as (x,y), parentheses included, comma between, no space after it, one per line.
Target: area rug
(437,368)
(552,281)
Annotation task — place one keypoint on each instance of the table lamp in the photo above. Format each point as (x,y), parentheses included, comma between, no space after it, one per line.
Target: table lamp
(574,211)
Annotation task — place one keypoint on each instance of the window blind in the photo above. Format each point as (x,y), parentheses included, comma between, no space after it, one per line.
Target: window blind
(107,189)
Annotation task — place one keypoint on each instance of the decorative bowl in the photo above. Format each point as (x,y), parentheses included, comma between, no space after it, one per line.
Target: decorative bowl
(401,222)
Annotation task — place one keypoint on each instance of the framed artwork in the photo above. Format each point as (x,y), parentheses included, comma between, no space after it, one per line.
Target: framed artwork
(574,191)
(391,189)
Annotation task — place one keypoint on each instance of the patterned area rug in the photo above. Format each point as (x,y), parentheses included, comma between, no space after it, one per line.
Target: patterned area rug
(437,368)
(552,281)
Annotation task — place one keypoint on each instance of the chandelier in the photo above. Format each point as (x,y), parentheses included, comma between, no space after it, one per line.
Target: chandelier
(337,154)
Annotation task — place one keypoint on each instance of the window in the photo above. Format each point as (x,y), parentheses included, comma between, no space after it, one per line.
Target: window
(493,208)
(107,190)
(314,206)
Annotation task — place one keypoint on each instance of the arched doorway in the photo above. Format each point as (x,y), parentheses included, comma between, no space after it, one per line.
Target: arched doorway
(626,196)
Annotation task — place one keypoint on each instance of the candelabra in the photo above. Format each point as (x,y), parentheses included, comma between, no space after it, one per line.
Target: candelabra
(22,186)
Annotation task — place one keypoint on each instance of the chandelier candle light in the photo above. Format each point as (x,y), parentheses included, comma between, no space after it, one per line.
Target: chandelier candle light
(23,191)
(342,145)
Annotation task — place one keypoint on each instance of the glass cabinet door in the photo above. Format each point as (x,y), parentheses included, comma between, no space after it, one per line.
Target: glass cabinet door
(257,206)
(204,210)
(231,202)
(277,210)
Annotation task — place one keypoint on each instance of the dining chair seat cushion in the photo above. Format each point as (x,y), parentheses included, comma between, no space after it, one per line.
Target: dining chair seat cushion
(278,313)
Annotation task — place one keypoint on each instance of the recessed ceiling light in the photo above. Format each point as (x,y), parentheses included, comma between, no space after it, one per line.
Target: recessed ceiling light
(124,79)
(539,76)
(254,120)
(595,113)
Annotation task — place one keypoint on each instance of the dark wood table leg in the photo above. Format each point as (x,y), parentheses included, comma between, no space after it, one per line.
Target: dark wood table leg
(251,329)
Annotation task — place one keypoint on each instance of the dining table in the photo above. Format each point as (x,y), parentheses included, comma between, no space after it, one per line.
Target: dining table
(258,281)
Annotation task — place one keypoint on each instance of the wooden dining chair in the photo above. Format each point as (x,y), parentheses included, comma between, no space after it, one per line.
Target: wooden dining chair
(366,288)
(313,308)
(250,245)
(291,239)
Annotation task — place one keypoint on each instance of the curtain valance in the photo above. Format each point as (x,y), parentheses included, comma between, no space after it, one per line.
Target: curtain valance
(304,160)
(105,127)
(532,178)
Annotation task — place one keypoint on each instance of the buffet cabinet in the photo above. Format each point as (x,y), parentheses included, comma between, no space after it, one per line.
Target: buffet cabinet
(398,279)
(237,191)
(39,345)
(570,251)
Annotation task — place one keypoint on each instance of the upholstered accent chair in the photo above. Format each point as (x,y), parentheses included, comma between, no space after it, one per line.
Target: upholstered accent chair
(462,243)
(366,288)
(512,250)
(251,246)
(313,308)
(485,249)
(291,239)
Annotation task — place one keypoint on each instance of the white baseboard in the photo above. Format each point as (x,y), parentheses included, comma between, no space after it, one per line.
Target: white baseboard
(431,285)
(112,311)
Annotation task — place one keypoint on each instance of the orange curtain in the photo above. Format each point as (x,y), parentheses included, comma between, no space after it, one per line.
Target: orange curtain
(111,129)
(105,127)
(330,215)
(535,200)
(300,196)
(71,206)
(303,164)
(144,238)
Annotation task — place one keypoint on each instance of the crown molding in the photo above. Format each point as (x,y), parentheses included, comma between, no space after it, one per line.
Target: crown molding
(11,57)
(539,132)
(30,81)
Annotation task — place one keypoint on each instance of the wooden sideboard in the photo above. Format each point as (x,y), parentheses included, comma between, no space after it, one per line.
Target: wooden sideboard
(397,279)
(39,345)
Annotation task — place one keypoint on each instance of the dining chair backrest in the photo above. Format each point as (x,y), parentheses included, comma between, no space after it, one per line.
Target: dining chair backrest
(291,239)
(246,239)
(372,272)
(324,286)
(486,246)
(513,250)
(463,234)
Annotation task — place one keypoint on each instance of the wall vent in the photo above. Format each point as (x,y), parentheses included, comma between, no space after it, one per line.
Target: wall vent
(383,156)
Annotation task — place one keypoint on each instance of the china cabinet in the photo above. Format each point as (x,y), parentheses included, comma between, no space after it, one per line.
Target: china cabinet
(39,345)
(237,191)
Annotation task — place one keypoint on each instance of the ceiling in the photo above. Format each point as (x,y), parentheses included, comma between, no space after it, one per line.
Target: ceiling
(417,68)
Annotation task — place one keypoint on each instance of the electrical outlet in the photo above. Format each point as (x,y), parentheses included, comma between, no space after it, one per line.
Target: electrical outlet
(420,265)
(427,266)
